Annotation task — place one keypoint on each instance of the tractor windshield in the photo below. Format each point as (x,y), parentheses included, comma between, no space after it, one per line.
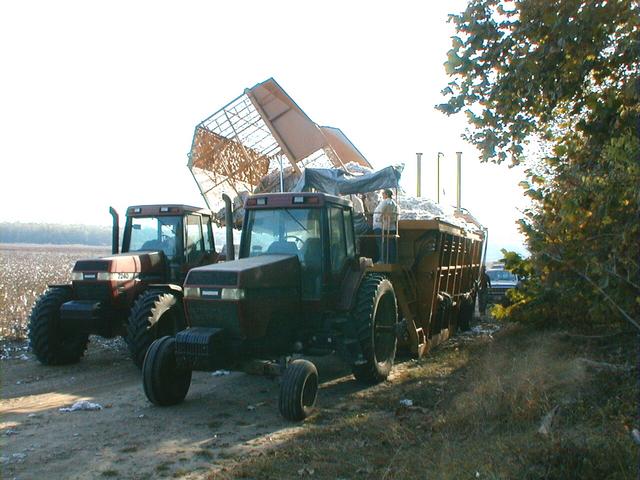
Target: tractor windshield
(155,233)
(294,231)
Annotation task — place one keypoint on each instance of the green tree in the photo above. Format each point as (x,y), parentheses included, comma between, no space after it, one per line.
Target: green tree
(561,75)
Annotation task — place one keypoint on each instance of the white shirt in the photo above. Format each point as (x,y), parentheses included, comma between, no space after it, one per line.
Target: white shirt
(358,207)
(385,215)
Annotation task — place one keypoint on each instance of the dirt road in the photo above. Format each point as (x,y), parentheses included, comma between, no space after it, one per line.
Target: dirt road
(222,418)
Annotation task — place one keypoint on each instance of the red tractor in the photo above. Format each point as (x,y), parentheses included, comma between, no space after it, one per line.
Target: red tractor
(300,287)
(135,292)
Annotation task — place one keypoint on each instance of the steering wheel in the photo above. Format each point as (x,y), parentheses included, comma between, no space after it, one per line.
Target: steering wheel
(298,241)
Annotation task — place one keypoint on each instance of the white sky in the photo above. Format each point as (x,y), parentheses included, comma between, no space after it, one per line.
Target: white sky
(98,100)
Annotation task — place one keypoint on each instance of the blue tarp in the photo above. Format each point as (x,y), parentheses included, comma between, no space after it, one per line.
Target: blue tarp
(339,182)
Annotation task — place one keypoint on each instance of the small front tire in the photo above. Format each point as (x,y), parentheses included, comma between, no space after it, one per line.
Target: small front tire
(298,390)
(165,382)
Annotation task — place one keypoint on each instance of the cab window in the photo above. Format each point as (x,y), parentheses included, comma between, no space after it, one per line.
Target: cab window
(348,229)
(208,234)
(195,241)
(155,233)
(337,239)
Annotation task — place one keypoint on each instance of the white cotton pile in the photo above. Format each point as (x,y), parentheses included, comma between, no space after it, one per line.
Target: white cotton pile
(82,405)
(420,208)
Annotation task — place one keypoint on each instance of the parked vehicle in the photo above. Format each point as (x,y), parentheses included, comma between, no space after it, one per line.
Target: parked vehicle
(501,281)
(136,292)
(300,287)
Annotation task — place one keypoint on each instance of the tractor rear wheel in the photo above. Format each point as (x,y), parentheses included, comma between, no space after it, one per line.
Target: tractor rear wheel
(48,342)
(298,390)
(376,316)
(154,315)
(165,382)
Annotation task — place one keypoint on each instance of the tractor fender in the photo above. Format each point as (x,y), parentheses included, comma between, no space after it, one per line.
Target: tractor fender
(166,287)
(351,283)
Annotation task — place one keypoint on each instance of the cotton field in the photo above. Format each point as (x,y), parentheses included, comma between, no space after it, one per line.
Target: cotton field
(25,272)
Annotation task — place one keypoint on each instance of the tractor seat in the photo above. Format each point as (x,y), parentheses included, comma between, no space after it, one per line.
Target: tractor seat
(151,245)
(288,248)
(312,252)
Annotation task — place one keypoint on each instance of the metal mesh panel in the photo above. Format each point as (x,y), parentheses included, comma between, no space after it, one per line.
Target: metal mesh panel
(256,136)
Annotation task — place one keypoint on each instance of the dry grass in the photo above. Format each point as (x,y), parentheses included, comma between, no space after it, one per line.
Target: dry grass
(477,409)
(25,272)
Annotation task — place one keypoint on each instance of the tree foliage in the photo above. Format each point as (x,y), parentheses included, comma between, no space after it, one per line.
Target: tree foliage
(563,73)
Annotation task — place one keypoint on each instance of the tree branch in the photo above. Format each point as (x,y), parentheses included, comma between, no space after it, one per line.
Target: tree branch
(598,288)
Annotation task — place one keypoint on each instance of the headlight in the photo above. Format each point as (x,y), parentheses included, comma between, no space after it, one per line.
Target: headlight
(191,292)
(75,276)
(232,294)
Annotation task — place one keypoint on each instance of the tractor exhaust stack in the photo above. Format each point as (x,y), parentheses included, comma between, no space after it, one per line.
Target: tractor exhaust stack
(440,154)
(419,174)
(228,220)
(458,180)
(115,231)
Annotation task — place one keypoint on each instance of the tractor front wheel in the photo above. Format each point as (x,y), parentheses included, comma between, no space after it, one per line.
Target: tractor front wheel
(165,382)
(48,342)
(154,315)
(298,390)
(376,316)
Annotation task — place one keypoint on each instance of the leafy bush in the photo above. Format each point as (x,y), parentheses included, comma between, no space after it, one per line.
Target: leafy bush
(565,75)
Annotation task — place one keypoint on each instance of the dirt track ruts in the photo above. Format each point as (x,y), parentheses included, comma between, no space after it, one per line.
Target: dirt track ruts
(223,417)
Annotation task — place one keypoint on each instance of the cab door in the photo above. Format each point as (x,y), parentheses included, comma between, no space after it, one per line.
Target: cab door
(210,254)
(199,248)
(341,247)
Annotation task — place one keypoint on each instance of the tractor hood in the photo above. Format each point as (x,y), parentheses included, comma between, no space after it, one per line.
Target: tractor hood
(264,272)
(254,299)
(117,280)
(124,266)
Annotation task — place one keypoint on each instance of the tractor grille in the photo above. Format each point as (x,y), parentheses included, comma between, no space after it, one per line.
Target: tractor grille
(92,291)
(216,278)
(91,266)
(214,315)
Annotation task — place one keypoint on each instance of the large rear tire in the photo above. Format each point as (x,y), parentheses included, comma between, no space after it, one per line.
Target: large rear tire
(154,315)
(48,342)
(376,316)
(298,390)
(165,382)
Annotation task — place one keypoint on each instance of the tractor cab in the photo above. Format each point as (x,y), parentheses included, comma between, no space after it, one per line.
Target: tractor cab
(314,227)
(183,234)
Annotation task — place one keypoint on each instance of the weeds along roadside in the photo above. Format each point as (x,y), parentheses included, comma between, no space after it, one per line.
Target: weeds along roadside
(478,409)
